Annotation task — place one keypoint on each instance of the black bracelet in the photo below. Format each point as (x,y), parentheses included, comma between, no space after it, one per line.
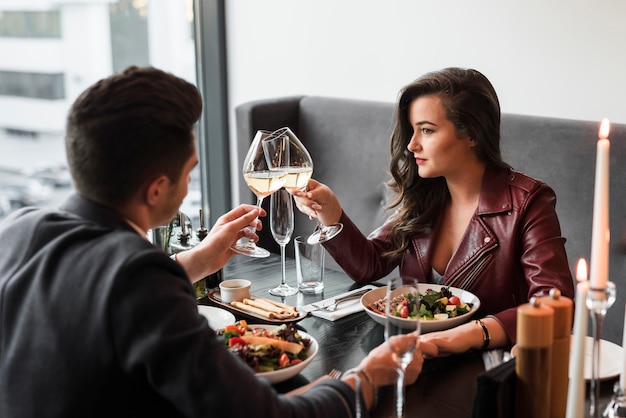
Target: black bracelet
(486,336)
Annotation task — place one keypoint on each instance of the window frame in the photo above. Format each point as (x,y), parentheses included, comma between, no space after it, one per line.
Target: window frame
(212,128)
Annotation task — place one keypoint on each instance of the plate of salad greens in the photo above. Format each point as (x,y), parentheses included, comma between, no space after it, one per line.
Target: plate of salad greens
(275,353)
(438,308)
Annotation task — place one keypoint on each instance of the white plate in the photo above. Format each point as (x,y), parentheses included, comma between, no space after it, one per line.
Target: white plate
(426,326)
(611,359)
(281,375)
(218,318)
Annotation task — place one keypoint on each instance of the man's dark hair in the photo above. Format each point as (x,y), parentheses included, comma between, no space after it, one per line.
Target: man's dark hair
(128,129)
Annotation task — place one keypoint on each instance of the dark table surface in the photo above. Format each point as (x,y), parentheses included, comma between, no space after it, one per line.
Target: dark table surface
(446,387)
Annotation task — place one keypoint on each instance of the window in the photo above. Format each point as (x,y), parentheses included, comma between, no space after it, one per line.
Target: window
(42,24)
(65,47)
(38,86)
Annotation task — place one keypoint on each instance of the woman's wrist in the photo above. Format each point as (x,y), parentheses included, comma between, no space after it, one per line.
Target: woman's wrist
(485,333)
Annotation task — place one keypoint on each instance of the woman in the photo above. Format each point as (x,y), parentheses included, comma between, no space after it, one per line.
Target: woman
(463,217)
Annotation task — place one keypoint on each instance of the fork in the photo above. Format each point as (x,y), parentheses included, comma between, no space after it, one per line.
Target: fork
(333,306)
(334,374)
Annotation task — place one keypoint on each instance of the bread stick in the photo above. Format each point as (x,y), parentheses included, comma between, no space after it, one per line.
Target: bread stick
(254,309)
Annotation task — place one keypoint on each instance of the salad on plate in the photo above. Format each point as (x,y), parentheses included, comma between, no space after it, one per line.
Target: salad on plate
(432,305)
(266,349)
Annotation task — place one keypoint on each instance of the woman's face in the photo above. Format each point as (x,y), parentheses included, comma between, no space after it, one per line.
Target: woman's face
(436,146)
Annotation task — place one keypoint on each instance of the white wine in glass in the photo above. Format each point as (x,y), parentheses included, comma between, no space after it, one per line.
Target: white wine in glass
(402,329)
(298,164)
(298,177)
(261,173)
(265,183)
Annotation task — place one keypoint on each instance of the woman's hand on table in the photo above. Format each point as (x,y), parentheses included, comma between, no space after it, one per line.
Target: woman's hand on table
(465,337)
(318,201)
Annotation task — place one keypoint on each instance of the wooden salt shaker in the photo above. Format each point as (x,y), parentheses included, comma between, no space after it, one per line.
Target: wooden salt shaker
(535,329)
(563,311)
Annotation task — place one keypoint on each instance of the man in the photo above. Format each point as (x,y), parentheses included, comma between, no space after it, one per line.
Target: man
(96,321)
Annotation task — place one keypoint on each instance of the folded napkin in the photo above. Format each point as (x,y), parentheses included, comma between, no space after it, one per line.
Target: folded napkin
(346,308)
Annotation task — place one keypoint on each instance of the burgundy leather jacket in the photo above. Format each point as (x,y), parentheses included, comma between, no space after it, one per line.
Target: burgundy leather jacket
(512,249)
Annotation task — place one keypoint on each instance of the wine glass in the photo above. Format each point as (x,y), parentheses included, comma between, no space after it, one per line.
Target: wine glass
(402,328)
(281,221)
(263,178)
(299,166)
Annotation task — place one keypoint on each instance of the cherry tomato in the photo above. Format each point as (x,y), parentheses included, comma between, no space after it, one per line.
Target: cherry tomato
(295,361)
(236,341)
(404,311)
(454,300)
(283,360)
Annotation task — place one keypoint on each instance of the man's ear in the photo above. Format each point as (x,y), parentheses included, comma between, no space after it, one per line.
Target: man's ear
(156,190)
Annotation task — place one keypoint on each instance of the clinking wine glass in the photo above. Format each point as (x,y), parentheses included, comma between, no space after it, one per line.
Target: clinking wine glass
(401,331)
(281,222)
(299,166)
(263,178)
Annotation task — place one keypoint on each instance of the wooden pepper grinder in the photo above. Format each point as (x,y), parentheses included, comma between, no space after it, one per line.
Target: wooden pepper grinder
(535,324)
(563,311)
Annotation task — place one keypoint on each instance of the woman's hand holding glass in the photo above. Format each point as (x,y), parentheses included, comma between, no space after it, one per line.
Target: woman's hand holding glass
(319,201)
(299,166)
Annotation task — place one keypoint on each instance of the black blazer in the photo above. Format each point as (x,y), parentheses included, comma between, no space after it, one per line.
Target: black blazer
(97,322)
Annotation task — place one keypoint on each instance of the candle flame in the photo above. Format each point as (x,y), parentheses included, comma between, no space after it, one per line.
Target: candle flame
(581,270)
(605,127)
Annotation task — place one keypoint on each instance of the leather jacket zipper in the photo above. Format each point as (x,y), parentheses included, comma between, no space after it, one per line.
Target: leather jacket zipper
(473,269)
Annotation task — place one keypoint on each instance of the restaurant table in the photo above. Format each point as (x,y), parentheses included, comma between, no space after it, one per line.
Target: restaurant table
(445,389)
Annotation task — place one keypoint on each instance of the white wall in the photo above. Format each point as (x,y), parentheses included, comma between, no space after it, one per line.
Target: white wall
(560,58)
(563,58)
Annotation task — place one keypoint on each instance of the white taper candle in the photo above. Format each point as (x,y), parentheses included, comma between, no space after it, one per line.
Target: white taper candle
(576,388)
(599,263)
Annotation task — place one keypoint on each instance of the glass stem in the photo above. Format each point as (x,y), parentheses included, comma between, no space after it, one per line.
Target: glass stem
(597,319)
(400,394)
(282,264)
(598,302)
(259,201)
(321,227)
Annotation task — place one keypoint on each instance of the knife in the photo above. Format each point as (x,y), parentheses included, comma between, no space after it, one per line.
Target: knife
(324,304)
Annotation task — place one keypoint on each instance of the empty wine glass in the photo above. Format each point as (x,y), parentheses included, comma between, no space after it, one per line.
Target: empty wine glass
(298,164)
(402,328)
(281,222)
(263,178)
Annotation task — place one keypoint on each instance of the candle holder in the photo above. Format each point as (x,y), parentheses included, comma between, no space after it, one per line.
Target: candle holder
(617,407)
(598,302)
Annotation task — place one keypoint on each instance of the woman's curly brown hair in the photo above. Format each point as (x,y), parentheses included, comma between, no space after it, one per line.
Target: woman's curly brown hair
(471,104)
